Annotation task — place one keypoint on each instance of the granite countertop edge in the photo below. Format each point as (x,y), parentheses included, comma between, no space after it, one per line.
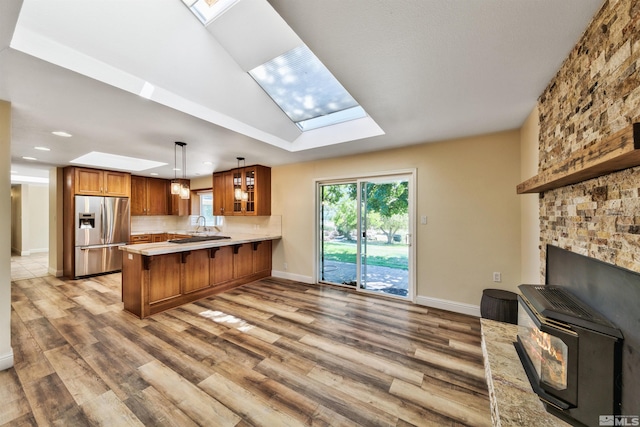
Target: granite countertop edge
(162,248)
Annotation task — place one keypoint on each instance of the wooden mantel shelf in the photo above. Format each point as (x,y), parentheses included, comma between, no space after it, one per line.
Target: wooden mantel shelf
(619,151)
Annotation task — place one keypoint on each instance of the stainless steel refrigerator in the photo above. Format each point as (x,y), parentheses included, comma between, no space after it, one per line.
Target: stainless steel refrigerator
(101,225)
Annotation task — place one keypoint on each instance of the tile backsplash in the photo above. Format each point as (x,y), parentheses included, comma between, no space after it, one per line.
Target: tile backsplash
(271,225)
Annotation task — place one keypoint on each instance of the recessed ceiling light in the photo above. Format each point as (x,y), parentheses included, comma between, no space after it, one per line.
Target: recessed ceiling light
(207,163)
(62,133)
(176,169)
(29,158)
(114,161)
(43,148)
(153,174)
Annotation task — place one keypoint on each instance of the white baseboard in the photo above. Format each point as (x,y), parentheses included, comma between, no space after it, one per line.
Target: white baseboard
(6,360)
(54,272)
(39,251)
(456,307)
(291,276)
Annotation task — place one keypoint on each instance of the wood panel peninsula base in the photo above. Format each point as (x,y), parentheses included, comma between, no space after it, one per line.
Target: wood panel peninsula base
(160,276)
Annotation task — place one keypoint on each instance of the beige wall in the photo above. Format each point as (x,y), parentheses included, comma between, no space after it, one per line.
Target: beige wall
(38,217)
(6,353)
(529,207)
(29,219)
(465,187)
(201,182)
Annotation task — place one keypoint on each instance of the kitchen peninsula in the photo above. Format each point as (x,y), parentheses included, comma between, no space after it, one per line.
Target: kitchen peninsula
(160,276)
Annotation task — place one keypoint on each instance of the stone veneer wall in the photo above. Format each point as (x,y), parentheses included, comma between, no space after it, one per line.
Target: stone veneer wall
(595,93)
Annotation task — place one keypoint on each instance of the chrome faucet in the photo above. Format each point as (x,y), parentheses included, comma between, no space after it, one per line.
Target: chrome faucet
(204,223)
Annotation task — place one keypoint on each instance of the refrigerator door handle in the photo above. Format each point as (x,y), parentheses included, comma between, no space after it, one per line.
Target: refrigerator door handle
(110,245)
(102,222)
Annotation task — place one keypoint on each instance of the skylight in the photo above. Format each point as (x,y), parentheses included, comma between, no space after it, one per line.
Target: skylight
(114,161)
(208,10)
(306,90)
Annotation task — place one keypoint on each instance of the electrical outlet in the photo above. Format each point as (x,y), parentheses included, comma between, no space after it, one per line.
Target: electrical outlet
(423,219)
(286,266)
(497,276)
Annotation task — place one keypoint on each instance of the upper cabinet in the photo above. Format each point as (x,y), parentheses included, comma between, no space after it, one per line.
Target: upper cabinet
(152,196)
(96,182)
(149,196)
(242,191)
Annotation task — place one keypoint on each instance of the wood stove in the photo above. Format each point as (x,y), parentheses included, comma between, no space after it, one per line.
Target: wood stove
(571,354)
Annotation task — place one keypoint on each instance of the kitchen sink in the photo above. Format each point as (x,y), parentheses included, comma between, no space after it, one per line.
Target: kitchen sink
(195,239)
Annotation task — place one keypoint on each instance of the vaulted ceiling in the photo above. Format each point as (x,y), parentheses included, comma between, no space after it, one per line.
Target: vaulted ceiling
(424,71)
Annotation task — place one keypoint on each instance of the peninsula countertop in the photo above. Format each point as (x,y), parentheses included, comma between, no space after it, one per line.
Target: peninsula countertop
(162,248)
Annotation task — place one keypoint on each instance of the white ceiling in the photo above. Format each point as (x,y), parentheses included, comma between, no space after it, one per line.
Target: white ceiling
(424,70)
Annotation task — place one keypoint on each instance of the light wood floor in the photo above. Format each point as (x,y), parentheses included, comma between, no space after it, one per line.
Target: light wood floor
(271,353)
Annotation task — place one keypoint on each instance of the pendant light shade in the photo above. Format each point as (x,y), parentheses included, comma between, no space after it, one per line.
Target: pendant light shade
(175,186)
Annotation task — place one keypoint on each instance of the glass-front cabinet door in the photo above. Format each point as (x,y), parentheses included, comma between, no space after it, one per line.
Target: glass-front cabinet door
(243,191)
(249,195)
(237,192)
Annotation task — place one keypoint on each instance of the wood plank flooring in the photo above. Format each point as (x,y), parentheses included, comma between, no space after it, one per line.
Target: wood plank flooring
(270,353)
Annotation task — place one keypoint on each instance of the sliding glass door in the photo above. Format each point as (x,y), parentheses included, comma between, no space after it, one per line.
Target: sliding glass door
(385,236)
(339,233)
(365,230)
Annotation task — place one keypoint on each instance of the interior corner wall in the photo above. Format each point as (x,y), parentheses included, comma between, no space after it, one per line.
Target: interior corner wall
(56,180)
(529,208)
(6,352)
(595,93)
(465,187)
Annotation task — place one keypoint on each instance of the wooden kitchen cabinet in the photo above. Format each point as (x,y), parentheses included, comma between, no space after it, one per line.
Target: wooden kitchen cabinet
(164,277)
(219,193)
(242,191)
(155,283)
(261,258)
(97,182)
(195,271)
(221,264)
(140,238)
(251,258)
(149,196)
(159,237)
(242,260)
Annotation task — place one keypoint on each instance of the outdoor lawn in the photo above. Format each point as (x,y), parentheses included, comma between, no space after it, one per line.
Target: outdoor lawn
(378,253)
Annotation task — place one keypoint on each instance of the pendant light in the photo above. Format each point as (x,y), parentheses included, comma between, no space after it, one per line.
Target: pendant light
(175,182)
(180,186)
(185,191)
